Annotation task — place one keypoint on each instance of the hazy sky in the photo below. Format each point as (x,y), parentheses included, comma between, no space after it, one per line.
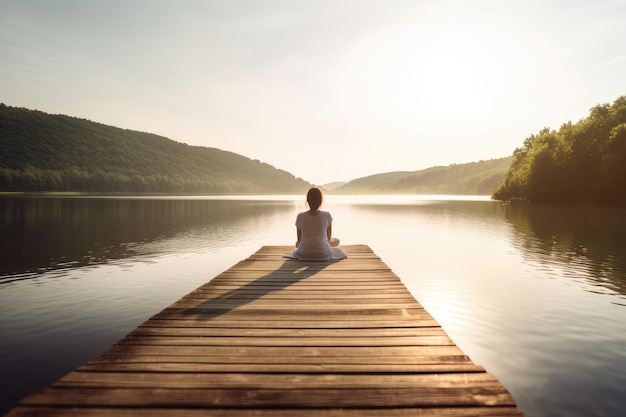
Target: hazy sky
(327,90)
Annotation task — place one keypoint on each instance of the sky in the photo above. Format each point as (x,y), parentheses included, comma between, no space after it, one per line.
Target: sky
(329,90)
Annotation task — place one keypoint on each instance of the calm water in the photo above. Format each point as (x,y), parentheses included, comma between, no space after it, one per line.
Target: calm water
(537,295)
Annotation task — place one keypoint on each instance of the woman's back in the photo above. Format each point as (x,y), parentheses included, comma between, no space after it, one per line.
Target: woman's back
(314,230)
(314,241)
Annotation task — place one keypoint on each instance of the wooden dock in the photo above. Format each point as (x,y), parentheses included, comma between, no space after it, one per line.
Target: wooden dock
(278,337)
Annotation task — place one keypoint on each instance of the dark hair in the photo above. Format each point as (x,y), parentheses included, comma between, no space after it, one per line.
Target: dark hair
(314,198)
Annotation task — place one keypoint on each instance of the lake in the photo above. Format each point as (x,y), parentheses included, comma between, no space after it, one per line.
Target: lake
(536,295)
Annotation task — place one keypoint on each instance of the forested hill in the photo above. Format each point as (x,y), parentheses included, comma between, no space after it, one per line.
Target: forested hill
(44,152)
(475,178)
(583,162)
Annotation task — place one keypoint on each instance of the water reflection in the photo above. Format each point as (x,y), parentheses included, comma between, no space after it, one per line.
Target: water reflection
(515,287)
(589,241)
(38,235)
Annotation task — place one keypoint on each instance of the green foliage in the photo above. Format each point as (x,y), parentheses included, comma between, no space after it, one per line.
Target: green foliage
(583,162)
(43,152)
(475,178)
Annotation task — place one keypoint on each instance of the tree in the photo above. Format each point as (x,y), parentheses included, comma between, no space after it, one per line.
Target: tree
(582,162)
(613,181)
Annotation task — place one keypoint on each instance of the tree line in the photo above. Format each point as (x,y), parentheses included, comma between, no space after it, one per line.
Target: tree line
(583,162)
(31,179)
(44,152)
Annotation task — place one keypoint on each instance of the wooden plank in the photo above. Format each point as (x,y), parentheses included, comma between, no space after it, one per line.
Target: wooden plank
(183,321)
(296,310)
(156,365)
(304,285)
(273,299)
(368,353)
(457,396)
(278,337)
(290,341)
(264,412)
(271,358)
(371,354)
(285,381)
(245,304)
(286,333)
(333,293)
(266,302)
(304,317)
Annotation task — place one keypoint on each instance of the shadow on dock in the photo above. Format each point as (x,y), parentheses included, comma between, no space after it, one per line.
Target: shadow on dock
(289,273)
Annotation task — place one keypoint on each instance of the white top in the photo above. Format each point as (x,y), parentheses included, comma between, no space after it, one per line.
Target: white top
(314,240)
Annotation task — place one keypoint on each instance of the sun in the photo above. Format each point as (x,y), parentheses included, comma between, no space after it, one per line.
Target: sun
(460,72)
(451,70)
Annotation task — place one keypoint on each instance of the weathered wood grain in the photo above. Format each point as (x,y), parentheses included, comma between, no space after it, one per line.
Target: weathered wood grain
(278,337)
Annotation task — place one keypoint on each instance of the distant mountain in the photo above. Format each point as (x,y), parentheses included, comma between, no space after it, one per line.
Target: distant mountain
(333,185)
(44,152)
(366,185)
(475,178)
